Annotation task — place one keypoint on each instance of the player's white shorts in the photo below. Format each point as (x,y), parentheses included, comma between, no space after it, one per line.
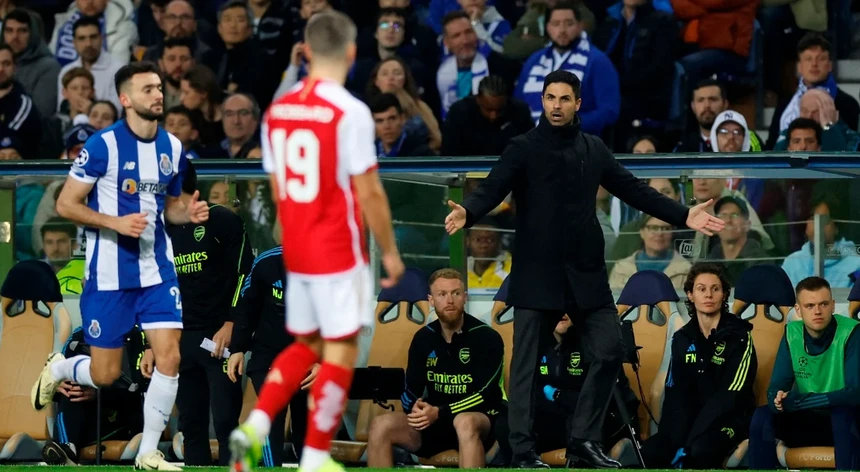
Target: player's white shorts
(337,306)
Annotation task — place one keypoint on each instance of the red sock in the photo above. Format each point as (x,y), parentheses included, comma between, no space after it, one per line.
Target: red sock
(329,393)
(285,377)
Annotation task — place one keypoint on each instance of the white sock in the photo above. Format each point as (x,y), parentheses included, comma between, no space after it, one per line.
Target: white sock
(157,408)
(313,459)
(76,369)
(260,422)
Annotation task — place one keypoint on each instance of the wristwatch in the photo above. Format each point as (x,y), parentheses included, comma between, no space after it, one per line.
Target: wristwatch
(828,125)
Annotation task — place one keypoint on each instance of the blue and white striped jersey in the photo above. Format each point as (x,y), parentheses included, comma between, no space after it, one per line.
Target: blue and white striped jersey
(130,175)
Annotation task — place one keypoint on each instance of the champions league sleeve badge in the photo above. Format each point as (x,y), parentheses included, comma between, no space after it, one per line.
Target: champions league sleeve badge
(166,165)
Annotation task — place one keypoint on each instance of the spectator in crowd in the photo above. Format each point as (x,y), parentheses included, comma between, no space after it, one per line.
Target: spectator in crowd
(562,372)
(719,34)
(18,117)
(803,134)
(641,43)
(36,68)
(488,264)
(530,33)
(115,19)
(836,133)
(643,145)
(629,241)
(77,412)
(102,114)
(185,125)
(736,251)
(715,189)
(240,64)
(199,90)
(175,61)
(219,194)
(150,26)
(709,100)
(273,30)
(709,388)
(59,241)
(814,394)
(74,139)
(573,52)
(657,253)
(460,74)
(89,55)
(393,76)
(730,133)
(419,41)
(815,68)
(840,255)
(79,92)
(241,120)
(28,193)
(393,139)
(178,23)
(462,418)
(483,124)
(389,42)
(490,26)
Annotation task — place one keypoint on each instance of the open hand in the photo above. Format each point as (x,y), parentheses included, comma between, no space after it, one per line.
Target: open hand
(455,220)
(700,220)
(198,210)
(394,267)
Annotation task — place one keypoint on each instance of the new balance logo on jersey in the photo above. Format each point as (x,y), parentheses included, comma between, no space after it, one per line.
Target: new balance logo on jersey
(128,166)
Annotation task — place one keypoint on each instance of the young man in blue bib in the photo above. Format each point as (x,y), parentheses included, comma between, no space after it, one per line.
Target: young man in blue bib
(814,392)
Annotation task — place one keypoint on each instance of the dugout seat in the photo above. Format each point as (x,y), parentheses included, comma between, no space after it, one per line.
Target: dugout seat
(758,289)
(505,327)
(34,324)
(395,326)
(854,302)
(646,301)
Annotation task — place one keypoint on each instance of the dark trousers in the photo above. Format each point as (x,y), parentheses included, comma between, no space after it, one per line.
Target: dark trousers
(837,427)
(273,450)
(600,340)
(122,419)
(550,430)
(708,451)
(204,386)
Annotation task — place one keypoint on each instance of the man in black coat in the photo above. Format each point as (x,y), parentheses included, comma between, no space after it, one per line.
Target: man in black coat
(553,172)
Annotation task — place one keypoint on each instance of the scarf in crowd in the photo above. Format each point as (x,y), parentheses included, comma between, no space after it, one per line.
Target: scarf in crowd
(65,47)
(575,60)
(792,111)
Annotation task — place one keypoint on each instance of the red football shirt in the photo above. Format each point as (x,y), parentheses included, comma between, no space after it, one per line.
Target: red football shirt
(314,139)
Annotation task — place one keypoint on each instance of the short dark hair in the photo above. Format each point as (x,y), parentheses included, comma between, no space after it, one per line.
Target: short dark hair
(812,284)
(805,123)
(634,140)
(565,77)
(243,4)
(391,11)
(171,43)
(59,224)
(493,86)
(710,83)
(21,15)
(6,47)
(86,21)
(446,273)
(129,70)
(383,102)
(565,5)
(813,40)
(189,179)
(698,269)
(452,16)
(195,117)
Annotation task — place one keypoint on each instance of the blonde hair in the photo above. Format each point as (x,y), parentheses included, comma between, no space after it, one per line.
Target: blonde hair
(446,273)
(329,33)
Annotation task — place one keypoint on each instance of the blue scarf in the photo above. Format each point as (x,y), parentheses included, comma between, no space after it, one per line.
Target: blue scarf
(449,77)
(65,47)
(792,110)
(541,63)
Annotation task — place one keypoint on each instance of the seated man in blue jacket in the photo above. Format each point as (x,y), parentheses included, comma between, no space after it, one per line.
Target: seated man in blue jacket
(814,393)
(562,373)
(709,388)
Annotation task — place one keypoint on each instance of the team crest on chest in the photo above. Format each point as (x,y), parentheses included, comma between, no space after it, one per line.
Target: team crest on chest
(165,165)
(199,232)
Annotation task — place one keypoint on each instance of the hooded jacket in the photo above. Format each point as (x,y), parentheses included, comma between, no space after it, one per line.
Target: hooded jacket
(37,70)
(120,33)
(731,115)
(710,381)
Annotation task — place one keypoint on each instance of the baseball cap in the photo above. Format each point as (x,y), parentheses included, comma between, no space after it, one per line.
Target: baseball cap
(742,205)
(78,134)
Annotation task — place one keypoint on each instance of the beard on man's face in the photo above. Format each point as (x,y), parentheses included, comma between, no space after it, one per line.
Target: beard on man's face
(5,84)
(149,115)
